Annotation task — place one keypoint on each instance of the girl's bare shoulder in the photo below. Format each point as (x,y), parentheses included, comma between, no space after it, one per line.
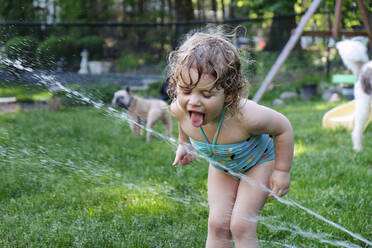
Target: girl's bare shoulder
(176,110)
(247,109)
(253,115)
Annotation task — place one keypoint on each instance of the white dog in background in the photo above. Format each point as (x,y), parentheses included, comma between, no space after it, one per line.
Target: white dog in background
(354,55)
(143,112)
(363,96)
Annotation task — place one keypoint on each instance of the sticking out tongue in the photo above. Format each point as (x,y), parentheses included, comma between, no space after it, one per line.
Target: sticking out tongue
(196,119)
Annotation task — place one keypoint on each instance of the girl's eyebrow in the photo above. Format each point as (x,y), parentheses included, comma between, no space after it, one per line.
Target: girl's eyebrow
(209,89)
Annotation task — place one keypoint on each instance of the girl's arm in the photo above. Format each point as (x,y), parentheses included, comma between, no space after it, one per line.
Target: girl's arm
(185,153)
(283,145)
(260,119)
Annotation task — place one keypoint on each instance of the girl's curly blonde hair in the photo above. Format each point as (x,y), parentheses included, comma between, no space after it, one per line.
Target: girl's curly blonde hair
(209,51)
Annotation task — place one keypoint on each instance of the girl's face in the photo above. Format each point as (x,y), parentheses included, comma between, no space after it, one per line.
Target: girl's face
(203,103)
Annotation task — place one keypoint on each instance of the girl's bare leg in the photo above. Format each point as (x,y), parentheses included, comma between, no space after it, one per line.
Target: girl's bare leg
(250,199)
(221,197)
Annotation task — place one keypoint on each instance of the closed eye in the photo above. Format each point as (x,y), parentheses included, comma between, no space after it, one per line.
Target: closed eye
(207,95)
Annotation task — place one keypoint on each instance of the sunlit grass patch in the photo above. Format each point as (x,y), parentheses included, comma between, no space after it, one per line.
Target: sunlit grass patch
(79,177)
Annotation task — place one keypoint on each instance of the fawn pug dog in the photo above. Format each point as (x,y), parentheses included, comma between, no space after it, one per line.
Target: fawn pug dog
(143,112)
(363,96)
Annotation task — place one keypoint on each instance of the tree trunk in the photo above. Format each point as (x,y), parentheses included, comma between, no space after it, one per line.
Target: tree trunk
(140,6)
(232,9)
(200,9)
(184,12)
(162,31)
(223,9)
(171,11)
(280,32)
(214,8)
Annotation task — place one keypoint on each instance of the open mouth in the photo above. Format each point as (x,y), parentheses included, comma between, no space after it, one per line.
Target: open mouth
(197,118)
(121,103)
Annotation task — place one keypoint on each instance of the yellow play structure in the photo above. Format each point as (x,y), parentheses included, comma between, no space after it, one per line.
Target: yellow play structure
(342,116)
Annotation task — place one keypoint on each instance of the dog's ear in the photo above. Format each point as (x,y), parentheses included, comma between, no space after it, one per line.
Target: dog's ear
(128,90)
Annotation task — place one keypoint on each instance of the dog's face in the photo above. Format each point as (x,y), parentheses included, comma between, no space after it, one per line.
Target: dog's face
(121,99)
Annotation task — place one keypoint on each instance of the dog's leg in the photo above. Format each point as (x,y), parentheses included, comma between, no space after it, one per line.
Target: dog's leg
(168,124)
(136,129)
(141,123)
(361,114)
(152,117)
(149,125)
(133,127)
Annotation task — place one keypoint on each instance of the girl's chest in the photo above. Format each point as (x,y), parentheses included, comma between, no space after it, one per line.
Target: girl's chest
(230,132)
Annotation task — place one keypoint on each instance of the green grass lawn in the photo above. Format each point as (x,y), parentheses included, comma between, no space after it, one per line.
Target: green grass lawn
(78,177)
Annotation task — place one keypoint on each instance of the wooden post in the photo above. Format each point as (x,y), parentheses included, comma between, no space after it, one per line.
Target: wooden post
(336,20)
(286,50)
(363,11)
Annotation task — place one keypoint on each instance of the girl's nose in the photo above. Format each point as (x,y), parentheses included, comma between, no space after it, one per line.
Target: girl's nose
(194,99)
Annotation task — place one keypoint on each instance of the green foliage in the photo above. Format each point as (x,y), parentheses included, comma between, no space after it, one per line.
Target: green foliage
(98,10)
(55,48)
(127,61)
(22,48)
(94,92)
(153,89)
(309,79)
(256,65)
(94,45)
(20,10)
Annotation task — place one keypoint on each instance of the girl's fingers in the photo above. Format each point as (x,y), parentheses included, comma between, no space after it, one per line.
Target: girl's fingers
(280,193)
(188,159)
(184,160)
(275,190)
(285,191)
(175,163)
(176,160)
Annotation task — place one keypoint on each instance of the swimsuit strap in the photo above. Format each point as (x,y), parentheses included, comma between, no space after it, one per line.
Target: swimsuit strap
(217,131)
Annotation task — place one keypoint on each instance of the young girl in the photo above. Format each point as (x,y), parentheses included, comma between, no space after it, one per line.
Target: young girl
(250,146)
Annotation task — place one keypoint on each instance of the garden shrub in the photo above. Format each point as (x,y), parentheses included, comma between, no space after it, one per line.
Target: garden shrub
(148,58)
(125,62)
(94,45)
(103,92)
(129,61)
(22,48)
(96,92)
(153,89)
(309,79)
(55,48)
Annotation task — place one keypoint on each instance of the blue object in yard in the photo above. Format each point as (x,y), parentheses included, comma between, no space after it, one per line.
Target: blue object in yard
(347,82)
(343,79)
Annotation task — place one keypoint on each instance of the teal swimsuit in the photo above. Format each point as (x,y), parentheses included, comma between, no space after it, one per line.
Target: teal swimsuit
(238,157)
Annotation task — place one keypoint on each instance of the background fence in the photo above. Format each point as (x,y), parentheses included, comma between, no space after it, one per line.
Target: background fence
(143,47)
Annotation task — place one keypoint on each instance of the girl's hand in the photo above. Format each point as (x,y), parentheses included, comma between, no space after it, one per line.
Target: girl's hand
(279,183)
(184,155)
